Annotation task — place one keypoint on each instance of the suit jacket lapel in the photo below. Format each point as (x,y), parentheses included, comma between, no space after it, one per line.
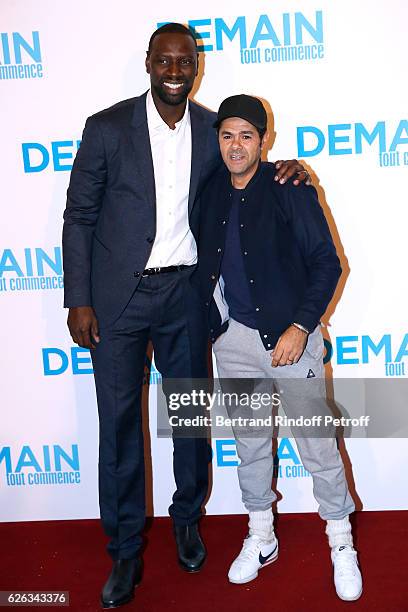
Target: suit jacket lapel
(139,134)
(199,134)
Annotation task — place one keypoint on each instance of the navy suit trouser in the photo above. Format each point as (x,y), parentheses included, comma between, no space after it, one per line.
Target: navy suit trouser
(159,310)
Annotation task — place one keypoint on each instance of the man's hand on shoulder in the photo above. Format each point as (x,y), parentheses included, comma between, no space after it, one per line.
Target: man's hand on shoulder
(83,326)
(289,347)
(291,168)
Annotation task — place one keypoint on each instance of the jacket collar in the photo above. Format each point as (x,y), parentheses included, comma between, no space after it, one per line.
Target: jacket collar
(199,136)
(139,135)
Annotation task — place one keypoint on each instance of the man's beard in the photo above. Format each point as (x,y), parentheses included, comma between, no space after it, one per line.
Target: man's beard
(172,99)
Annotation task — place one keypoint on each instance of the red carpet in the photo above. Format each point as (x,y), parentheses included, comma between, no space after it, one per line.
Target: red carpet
(69,555)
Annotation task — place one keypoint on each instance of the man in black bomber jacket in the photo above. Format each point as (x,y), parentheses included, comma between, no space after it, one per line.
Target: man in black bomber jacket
(267,271)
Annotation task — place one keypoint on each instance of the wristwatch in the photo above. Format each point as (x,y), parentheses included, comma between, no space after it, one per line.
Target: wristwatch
(301,327)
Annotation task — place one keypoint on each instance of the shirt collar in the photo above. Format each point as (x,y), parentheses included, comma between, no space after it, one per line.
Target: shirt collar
(154,120)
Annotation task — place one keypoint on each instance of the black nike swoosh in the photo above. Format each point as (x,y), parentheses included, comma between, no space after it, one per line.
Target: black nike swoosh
(263,559)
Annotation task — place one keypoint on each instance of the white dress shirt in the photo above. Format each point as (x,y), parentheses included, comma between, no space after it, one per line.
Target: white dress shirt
(174,243)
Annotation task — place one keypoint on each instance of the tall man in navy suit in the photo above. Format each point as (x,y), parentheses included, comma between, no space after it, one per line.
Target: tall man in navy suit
(129,243)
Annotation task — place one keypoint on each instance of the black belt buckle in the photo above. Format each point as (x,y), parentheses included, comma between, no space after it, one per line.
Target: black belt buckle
(150,271)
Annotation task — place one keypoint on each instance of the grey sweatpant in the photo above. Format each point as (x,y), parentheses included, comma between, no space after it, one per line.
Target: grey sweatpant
(240,353)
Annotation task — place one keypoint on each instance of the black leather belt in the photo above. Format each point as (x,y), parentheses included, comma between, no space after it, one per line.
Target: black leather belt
(152,271)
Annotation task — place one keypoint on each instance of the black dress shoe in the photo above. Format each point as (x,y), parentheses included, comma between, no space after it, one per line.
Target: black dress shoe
(119,588)
(190,548)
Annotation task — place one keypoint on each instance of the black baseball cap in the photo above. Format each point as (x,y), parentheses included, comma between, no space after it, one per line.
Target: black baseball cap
(246,107)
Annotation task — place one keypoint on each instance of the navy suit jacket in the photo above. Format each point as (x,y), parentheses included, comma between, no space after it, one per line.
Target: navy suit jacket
(110,216)
(290,261)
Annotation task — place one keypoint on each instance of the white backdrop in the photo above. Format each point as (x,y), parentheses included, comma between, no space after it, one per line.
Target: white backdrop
(342,111)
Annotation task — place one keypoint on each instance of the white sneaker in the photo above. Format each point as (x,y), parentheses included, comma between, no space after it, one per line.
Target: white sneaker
(347,575)
(255,554)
